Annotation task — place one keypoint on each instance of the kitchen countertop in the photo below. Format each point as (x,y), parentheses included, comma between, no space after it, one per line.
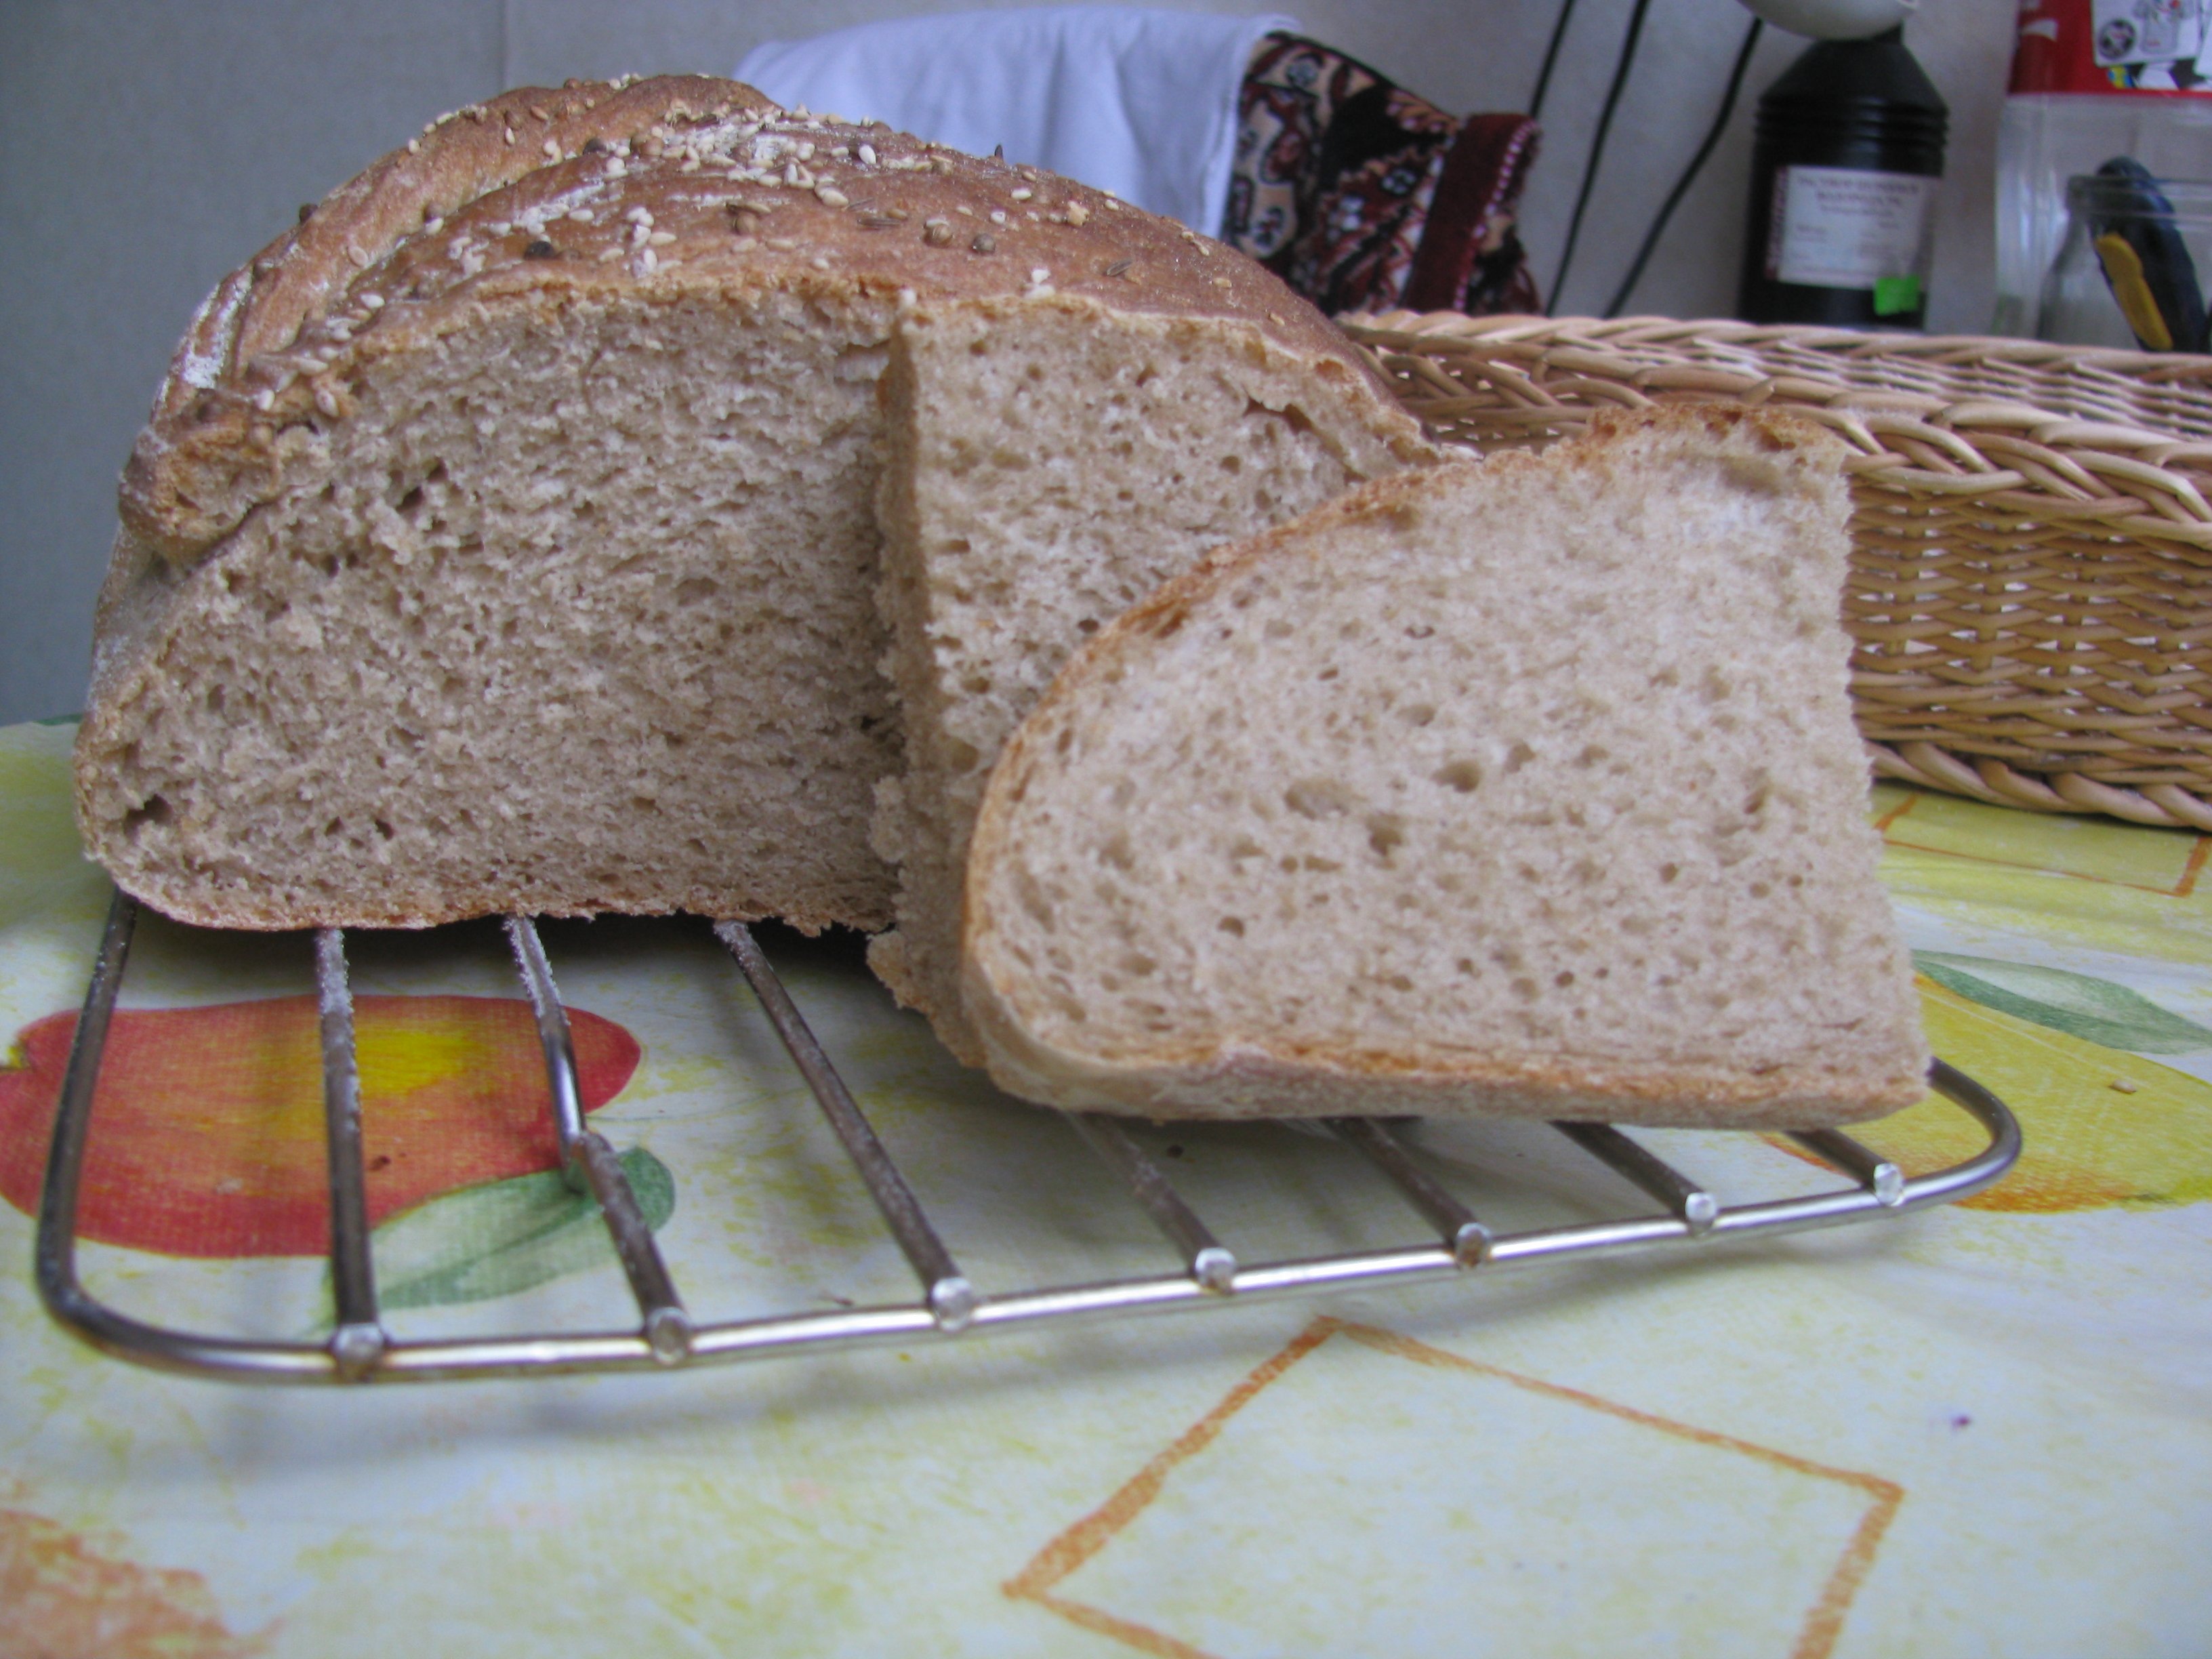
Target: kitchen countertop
(1985,1429)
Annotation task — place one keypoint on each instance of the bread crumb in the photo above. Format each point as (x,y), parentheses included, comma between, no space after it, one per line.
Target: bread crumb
(2123,1085)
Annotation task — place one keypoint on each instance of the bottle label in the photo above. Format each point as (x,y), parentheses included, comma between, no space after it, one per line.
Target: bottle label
(2153,48)
(2145,31)
(1842,227)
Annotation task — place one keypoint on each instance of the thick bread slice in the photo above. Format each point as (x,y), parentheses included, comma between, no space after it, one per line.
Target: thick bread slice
(504,536)
(1043,471)
(1524,788)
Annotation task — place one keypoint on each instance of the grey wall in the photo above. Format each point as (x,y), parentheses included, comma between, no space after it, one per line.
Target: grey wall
(149,146)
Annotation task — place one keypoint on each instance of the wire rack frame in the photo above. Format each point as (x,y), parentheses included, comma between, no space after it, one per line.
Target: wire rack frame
(360,1350)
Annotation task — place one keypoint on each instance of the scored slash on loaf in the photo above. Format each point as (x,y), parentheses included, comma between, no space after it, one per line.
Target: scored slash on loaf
(1523,788)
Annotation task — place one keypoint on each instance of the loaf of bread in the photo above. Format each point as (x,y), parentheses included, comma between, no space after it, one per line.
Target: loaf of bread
(505,537)
(1523,788)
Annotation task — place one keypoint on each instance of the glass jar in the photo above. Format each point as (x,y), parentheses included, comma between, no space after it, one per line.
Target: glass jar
(2127,272)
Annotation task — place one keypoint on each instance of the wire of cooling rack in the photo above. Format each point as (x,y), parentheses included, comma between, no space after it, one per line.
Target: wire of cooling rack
(361,1350)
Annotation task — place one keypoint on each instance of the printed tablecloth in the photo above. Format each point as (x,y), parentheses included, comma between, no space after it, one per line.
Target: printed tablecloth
(1985,1429)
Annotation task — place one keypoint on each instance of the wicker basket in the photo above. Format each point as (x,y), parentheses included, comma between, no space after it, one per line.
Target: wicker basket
(2030,599)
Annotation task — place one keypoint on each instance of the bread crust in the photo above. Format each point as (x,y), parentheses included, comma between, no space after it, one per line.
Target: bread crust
(1300,1078)
(417,244)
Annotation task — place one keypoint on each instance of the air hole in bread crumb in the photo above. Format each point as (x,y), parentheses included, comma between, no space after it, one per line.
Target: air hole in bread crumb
(1276,629)
(1317,798)
(1760,889)
(1398,982)
(1244,847)
(1668,871)
(692,589)
(1417,713)
(384,829)
(1518,756)
(1465,965)
(1525,990)
(1115,852)
(1139,963)
(1464,776)
(1232,465)
(1564,978)
(1386,834)
(1592,755)
(1328,673)
(155,810)
(1233,926)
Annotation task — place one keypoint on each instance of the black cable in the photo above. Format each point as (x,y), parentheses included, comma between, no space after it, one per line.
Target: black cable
(1597,141)
(1689,173)
(1551,56)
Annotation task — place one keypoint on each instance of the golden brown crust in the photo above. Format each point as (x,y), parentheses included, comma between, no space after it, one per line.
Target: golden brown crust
(688,184)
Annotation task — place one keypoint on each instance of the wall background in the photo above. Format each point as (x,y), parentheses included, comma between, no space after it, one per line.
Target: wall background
(146,147)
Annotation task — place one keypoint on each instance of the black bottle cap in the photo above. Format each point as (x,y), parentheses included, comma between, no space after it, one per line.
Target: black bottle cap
(1869,90)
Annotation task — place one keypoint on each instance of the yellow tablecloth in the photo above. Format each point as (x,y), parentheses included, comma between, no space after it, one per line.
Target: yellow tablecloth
(1985,1430)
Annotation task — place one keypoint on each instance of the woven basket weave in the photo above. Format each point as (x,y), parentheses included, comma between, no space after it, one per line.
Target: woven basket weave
(2031,591)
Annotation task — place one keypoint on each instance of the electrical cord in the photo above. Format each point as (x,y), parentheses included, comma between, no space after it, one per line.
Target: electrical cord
(1551,56)
(1598,141)
(1689,173)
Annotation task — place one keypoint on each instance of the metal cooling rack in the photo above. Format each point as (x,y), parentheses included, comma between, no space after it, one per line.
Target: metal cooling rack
(360,1350)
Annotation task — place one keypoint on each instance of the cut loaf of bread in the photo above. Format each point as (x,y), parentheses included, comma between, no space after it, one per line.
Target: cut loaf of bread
(504,538)
(1524,788)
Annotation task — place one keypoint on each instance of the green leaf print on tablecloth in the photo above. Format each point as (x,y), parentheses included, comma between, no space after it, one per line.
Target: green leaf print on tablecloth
(505,1236)
(2094,1010)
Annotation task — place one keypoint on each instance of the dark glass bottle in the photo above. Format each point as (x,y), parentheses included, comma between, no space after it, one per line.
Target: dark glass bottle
(1848,148)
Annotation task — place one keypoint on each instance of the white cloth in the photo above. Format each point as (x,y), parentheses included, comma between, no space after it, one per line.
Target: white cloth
(1142,103)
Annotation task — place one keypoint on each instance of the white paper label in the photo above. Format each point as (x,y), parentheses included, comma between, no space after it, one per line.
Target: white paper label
(2145,31)
(1840,228)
